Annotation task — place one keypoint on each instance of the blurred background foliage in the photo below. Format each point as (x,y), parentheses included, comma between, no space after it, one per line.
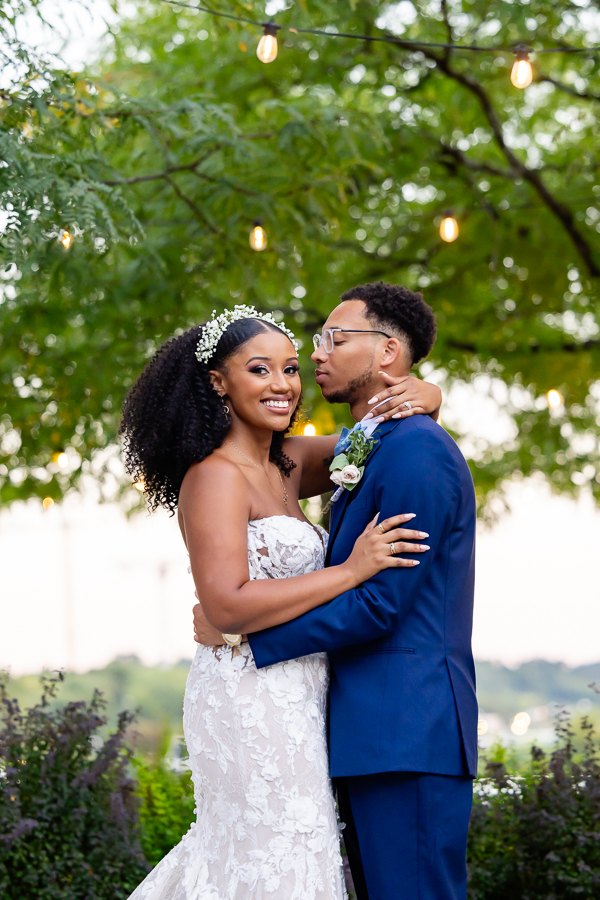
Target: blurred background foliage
(159,156)
(156,692)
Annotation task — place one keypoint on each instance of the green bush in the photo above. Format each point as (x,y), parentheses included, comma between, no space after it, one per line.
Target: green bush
(167,807)
(69,823)
(75,826)
(536,835)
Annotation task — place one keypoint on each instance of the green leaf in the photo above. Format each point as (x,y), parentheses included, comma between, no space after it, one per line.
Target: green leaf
(339,462)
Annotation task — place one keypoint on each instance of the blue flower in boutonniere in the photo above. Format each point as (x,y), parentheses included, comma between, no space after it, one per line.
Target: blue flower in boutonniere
(347,467)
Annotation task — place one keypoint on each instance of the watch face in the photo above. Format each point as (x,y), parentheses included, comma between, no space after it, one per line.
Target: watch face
(233,639)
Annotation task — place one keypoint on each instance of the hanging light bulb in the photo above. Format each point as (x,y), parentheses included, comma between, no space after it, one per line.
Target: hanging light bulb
(554,399)
(140,485)
(47,502)
(267,46)
(309,430)
(66,239)
(258,236)
(522,73)
(449,228)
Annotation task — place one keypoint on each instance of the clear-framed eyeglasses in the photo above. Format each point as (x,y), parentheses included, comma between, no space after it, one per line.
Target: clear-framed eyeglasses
(325,339)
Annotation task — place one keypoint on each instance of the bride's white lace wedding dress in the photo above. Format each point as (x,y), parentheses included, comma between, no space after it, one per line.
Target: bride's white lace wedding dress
(266,825)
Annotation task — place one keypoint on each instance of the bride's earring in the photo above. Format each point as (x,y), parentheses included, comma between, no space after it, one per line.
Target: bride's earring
(226,408)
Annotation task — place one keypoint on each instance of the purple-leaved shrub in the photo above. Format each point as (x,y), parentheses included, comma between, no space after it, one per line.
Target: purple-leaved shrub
(69,824)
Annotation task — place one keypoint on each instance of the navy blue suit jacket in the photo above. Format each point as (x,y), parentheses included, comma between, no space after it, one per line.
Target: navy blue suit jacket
(402,694)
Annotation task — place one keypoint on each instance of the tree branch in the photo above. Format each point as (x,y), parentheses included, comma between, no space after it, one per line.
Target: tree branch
(195,209)
(462,159)
(562,348)
(475,165)
(171,170)
(567,89)
(560,210)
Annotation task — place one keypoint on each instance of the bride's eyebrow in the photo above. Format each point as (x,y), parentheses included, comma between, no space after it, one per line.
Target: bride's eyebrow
(268,359)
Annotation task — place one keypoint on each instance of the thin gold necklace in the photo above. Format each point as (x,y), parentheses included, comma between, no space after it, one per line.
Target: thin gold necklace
(256,466)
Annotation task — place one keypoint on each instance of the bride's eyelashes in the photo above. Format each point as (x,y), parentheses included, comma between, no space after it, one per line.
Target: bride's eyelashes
(263,370)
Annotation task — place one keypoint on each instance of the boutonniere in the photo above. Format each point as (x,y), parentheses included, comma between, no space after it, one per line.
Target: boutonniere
(347,468)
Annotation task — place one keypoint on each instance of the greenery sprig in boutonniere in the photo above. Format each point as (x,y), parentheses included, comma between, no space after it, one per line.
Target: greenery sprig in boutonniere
(347,467)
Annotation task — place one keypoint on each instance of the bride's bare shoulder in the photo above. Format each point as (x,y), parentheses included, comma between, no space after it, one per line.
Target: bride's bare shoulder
(214,480)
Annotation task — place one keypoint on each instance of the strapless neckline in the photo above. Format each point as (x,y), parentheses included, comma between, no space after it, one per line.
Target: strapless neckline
(316,529)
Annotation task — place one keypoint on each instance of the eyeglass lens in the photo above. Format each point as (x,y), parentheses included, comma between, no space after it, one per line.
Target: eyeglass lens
(324,340)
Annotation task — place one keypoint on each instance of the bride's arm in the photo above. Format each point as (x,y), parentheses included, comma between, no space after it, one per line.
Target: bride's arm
(313,454)
(214,509)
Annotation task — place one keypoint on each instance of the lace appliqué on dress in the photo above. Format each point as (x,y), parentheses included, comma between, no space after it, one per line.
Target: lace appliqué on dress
(266,825)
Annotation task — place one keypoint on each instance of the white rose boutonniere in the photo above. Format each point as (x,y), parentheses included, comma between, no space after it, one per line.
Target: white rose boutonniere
(347,468)
(351,474)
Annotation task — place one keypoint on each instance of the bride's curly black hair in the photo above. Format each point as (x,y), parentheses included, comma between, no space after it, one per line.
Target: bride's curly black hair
(173,417)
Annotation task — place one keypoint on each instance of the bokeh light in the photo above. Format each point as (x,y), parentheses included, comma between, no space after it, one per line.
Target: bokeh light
(449,229)
(310,430)
(554,399)
(520,724)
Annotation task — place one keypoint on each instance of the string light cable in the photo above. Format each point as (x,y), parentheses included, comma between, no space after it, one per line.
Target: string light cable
(520,49)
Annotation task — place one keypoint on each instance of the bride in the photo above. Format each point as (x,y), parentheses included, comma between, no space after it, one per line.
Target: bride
(204,428)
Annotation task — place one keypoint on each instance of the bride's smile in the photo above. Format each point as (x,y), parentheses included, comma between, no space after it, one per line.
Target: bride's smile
(261,382)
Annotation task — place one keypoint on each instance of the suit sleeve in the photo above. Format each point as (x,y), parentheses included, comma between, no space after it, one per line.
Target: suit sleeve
(414,474)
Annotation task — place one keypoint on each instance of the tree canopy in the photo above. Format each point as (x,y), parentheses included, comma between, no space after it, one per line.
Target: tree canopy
(158,158)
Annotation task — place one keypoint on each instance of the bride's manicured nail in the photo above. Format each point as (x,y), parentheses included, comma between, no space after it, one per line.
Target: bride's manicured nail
(411,516)
(368,416)
(379,419)
(423,534)
(373,400)
(397,416)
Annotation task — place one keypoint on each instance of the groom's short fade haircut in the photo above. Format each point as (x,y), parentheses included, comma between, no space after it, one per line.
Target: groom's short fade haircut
(403,312)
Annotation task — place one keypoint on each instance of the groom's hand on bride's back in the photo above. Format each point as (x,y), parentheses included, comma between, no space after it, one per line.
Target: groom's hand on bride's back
(406,396)
(204,633)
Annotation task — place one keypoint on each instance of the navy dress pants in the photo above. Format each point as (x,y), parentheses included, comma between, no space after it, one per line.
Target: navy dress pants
(406,834)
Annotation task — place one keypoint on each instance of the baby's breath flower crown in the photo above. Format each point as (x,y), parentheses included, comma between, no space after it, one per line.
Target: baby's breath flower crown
(216,327)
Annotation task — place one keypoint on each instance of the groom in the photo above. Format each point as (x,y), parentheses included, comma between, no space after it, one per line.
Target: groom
(403,713)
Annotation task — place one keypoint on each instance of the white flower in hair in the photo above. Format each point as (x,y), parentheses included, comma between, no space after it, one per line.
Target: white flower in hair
(216,327)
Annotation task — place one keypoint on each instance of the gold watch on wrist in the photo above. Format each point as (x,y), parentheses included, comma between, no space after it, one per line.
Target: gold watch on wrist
(232,640)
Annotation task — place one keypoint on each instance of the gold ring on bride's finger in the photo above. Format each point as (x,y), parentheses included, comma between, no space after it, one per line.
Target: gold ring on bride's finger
(392,549)
(381,528)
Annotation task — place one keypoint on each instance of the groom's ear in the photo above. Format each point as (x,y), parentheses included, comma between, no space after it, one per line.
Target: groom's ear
(393,352)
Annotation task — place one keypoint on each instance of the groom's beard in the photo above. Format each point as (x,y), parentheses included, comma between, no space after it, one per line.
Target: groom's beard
(353,390)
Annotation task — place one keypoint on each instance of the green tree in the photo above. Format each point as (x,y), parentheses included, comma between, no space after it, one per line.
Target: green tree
(158,159)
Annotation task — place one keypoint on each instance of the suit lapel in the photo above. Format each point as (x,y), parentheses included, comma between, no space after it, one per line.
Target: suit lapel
(340,506)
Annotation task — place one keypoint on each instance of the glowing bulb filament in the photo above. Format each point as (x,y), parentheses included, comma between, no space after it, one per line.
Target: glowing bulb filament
(66,239)
(449,228)
(267,46)
(258,237)
(522,73)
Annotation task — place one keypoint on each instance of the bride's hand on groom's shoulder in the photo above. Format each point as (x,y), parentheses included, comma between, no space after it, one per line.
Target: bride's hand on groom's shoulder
(407,396)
